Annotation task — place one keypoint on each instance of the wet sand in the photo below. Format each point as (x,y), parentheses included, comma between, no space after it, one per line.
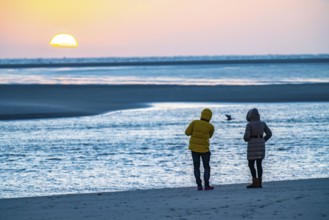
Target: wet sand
(301,199)
(51,101)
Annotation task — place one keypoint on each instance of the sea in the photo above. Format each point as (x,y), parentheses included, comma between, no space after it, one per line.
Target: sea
(146,148)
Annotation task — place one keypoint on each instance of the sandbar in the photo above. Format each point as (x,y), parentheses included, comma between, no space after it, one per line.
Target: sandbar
(52,101)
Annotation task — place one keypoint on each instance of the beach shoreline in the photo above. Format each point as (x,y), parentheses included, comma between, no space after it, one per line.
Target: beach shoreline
(300,199)
(20,101)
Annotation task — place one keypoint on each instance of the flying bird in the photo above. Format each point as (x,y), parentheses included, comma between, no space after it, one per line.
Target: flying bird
(228,117)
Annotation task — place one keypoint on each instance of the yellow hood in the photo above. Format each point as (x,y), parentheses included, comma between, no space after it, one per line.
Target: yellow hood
(206,114)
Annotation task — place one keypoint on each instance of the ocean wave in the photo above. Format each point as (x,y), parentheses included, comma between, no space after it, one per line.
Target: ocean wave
(151,81)
(269,73)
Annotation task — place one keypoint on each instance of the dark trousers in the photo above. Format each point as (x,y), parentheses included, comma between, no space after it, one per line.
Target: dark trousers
(196,163)
(251,164)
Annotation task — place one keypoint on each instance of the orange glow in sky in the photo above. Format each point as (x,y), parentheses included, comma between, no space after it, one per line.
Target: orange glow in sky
(164,27)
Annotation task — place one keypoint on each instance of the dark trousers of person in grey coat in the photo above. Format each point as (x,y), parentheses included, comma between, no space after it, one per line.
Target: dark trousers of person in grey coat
(251,164)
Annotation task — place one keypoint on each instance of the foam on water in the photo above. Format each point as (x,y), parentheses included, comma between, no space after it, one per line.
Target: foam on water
(147,148)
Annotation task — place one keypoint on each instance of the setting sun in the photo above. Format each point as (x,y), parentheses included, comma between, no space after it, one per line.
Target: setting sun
(63,40)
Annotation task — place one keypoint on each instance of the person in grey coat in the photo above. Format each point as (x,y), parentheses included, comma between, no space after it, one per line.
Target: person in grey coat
(254,132)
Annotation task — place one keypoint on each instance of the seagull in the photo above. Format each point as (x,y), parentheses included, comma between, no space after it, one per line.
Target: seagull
(228,117)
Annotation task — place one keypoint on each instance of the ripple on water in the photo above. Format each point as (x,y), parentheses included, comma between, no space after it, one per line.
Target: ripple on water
(123,150)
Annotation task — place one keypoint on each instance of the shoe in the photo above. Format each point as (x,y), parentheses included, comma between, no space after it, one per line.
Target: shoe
(209,188)
(200,188)
(255,183)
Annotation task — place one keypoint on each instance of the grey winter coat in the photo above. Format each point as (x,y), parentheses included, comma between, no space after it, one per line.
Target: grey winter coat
(255,130)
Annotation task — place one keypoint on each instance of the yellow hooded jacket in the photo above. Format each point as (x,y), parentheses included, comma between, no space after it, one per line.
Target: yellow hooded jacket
(200,131)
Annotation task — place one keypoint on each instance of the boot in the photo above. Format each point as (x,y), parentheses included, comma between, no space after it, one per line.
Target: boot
(209,188)
(260,183)
(255,183)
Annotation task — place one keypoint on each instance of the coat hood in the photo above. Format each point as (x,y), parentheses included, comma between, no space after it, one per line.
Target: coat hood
(206,114)
(253,115)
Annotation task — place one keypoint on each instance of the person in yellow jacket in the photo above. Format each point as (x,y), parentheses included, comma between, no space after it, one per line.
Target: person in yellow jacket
(201,131)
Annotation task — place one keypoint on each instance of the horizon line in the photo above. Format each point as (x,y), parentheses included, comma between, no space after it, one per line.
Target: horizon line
(272,60)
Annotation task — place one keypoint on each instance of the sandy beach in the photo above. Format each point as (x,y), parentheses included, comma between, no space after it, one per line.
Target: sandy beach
(49,101)
(299,199)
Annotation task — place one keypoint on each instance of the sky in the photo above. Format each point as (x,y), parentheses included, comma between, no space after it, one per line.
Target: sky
(130,28)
